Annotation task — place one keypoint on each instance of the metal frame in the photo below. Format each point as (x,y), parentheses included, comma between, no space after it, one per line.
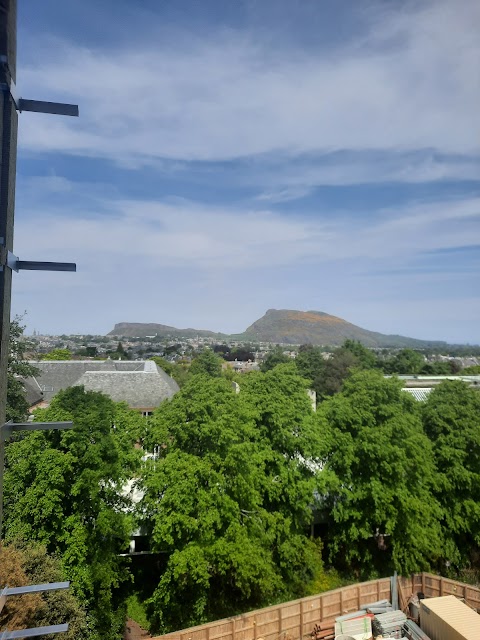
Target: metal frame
(35,631)
(32,633)
(10,103)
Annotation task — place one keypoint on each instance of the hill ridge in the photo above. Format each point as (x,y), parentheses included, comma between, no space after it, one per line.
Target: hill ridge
(285,326)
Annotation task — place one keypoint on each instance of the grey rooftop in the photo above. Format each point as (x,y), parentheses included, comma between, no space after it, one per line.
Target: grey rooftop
(141,383)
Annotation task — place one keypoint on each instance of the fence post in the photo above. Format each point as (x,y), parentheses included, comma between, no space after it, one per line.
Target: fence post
(321,608)
(441,586)
(301,619)
(279,621)
(233,629)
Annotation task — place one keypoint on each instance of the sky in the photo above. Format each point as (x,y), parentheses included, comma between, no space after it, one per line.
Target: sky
(233,156)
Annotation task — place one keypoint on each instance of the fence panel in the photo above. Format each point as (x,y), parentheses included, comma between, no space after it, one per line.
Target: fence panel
(295,620)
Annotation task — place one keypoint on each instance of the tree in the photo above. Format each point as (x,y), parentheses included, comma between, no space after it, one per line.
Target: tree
(336,370)
(366,358)
(378,479)
(274,357)
(18,368)
(119,353)
(179,371)
(28,563)
(58,354)
(406,361)
(167,366)
(311,363)
(228,497)
(451,421)
(474,370)
(207,363)
(64,490)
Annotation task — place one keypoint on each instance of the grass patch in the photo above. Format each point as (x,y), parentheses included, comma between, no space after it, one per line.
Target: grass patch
(136,611)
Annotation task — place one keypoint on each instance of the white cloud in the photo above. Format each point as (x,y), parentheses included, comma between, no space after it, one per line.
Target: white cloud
(180,233)
(411,83)
(180,262)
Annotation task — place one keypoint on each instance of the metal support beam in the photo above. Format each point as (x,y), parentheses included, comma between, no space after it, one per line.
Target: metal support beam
(7,85)
(8,154)
(40,106)
(10,103)
(33,588)
(33,633)
(36,631)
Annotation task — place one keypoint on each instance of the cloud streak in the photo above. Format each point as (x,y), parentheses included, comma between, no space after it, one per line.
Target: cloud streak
(411,87)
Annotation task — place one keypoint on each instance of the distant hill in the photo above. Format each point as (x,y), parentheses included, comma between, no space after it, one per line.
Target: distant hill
(315,327)
(142,329)
(286,327)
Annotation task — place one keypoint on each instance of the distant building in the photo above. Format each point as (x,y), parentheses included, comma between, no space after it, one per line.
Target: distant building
(141,384)
(419,387)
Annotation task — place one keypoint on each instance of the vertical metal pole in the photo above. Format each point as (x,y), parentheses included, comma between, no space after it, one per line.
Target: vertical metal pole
(8,157)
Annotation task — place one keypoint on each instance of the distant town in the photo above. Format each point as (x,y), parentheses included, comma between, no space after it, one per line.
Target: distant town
(244,355)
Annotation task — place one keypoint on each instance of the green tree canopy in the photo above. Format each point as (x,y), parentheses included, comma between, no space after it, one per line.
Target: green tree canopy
(179,371)
(335,371)
(64,489)
(18,368)
(378,479)
(228,497)
(274,357)
(57,354)
(404,362)
(451,418)
(311,364)
(366,358)
(207,363)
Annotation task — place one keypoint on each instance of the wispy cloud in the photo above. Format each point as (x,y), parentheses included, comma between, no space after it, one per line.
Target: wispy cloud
(191,189)
(179,232)
(180,262)
(409,83)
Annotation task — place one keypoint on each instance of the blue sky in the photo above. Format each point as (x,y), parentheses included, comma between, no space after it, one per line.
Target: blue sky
(237,155)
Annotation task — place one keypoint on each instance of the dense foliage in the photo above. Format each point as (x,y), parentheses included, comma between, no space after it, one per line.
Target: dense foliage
(63,489)
(25,563)
(18,368)
(229,496)
(378,479)
(451,418)
(238,467)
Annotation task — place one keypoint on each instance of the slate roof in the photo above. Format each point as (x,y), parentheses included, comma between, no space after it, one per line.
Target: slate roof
(33,392)
(142,384)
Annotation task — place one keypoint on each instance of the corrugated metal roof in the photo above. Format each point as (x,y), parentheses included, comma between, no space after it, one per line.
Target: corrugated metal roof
(463,621)
(419,393)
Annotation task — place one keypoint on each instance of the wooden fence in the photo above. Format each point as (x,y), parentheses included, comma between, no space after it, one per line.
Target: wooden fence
(295,620)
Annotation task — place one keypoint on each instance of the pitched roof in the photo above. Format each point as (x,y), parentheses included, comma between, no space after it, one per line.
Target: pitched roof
(33,392)
(142,384)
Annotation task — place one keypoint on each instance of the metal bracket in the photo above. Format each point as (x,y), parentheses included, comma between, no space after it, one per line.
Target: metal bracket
(34,588)
(8,259)
(32,633)
(31,265)
(37,106)
(10,427)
